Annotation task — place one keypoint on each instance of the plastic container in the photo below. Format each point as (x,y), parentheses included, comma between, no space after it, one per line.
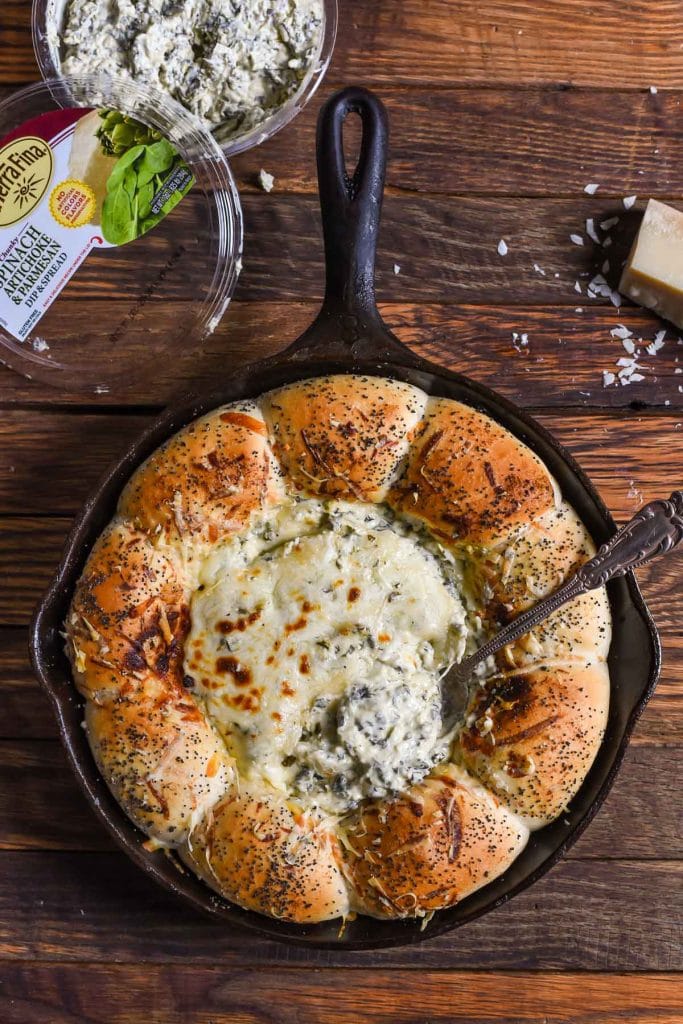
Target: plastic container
(128,309)
(47,19)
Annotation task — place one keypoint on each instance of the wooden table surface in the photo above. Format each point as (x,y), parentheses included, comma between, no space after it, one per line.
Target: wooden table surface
(502,112)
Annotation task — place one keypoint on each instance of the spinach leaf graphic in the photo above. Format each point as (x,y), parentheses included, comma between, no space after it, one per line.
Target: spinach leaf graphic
(145,171)
(118,226)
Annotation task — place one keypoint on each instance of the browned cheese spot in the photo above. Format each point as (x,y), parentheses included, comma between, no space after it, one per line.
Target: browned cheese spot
(232,667)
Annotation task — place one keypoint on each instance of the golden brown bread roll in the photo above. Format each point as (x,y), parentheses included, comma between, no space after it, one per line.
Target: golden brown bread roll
(531,736)
(259,852)
(129,617)
(469,479)
(160,757)
(533,563)
(207,480)
(203,577)
(431,848)
(343,436)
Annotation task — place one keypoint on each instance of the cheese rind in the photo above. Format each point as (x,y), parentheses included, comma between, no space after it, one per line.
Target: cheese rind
(653,275)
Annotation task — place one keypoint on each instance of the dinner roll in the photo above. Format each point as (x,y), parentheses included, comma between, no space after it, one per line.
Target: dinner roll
(436,844)
(470,480)
(531,736)
(129,618)
(160,756)
(259,851)
(343,436)
(207,480)
(532,564)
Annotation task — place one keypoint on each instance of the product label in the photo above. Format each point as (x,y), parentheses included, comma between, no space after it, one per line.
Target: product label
(72,181)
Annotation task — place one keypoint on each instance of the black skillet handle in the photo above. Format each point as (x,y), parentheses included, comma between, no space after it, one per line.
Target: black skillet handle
(351,206)
(349,324)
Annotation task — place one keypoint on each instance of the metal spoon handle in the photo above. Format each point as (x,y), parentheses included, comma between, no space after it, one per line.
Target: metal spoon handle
(655,529)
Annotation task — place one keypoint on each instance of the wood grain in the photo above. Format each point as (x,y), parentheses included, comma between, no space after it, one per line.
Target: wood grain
(489,141)
(561,366)
(41,807)
(583,915)
(447,42)
(24,709)
(484,141)
(446,247)
(147,994)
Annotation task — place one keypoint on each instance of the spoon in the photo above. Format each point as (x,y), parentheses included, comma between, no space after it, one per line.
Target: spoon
(654,530)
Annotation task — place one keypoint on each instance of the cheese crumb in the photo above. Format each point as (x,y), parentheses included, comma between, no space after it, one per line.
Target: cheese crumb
(502,247)
(266,180)
(629,201)
(591,232)
(653,348)
(576,239)
(591,189)
(621,332)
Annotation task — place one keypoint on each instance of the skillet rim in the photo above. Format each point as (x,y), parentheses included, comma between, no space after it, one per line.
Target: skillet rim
(44,641)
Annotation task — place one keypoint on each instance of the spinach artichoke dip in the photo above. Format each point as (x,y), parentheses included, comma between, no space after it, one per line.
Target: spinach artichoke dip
(230,62)
(318,641)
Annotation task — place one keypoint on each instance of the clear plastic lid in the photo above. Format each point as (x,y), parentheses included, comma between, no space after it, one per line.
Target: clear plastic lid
(120,233)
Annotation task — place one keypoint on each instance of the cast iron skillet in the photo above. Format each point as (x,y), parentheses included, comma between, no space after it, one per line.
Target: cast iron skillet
(349,336)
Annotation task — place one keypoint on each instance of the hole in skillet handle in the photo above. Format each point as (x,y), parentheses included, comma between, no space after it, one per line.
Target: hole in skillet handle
(349,323)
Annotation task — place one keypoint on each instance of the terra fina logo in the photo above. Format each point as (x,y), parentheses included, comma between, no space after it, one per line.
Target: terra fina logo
(25,172)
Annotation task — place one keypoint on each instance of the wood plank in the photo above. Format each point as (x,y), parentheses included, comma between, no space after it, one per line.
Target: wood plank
(41,807)
(17,62)
(512,43)
(36,460)
(194,995)
(453,42)
(446,247)
(53,460)
(493,141)
(561,366)
(584,915)
(24,710)
(550,144)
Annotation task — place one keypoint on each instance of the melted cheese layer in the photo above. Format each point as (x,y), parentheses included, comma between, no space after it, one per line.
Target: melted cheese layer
(317,643)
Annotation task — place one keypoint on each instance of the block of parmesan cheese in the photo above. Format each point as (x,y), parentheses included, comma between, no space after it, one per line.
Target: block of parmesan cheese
(653,275)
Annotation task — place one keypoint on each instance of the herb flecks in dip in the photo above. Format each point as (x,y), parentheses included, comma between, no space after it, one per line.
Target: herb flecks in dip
(230,62)
(317,644)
